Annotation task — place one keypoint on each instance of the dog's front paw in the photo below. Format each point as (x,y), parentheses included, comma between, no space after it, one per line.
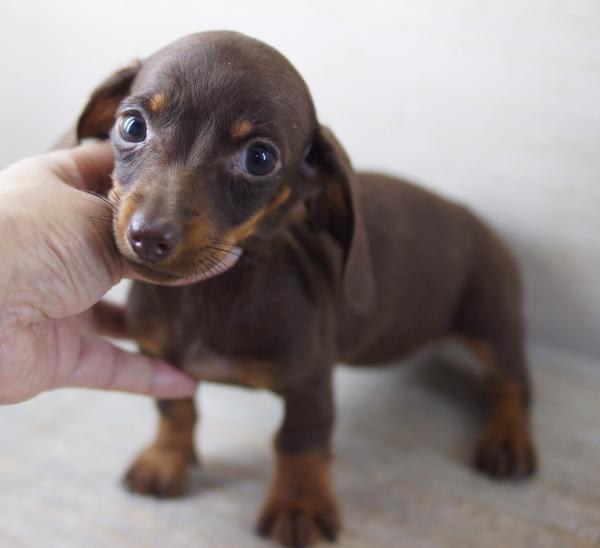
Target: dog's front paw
(160,471)
(299,522)
(506,451)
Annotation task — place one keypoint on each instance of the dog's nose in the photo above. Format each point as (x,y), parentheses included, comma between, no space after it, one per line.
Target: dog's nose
(152,239)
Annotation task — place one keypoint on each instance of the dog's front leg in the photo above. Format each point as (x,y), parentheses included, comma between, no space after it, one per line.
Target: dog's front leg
(301,507)
(160,469)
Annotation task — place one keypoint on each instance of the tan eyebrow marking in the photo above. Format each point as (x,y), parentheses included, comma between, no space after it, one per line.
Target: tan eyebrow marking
(241,129)
(157,102)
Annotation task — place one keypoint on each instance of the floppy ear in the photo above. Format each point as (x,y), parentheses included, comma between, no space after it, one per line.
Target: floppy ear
(98,116)
(337,209)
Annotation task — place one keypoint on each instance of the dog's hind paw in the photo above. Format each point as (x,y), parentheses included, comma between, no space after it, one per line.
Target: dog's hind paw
(506,452)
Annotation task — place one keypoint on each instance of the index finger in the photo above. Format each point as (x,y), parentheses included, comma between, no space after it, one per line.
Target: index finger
(103,365)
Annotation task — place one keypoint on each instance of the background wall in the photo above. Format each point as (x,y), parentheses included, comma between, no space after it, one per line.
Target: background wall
(493,103)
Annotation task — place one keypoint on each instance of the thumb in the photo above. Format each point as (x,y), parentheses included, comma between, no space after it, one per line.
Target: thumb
(103,365)
(86,167)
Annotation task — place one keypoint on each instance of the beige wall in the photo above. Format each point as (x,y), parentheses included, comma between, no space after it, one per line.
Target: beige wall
(494,103)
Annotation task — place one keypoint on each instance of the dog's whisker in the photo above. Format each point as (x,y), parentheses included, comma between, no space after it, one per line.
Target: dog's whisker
(226,251)
(214,262)
(217,264)
(112,206)
(223,243)
(221,268)
(102,219)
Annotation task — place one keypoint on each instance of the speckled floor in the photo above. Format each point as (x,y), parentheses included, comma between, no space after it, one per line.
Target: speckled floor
(403,443)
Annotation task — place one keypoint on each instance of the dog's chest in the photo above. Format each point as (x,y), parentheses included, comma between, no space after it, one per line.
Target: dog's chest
(209,336)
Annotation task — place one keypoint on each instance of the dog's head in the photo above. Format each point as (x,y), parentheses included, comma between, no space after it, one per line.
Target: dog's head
(216,140)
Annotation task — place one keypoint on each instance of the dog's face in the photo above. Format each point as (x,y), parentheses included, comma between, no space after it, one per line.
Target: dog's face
(209,137)
(215,140)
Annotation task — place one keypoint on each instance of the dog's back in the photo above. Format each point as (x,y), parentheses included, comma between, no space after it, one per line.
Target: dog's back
(424,251)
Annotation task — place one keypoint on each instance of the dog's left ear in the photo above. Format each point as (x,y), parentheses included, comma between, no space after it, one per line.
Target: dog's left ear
(337,209)
(98,116)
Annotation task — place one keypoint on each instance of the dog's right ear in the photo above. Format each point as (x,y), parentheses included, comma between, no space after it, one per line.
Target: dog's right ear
(98,116)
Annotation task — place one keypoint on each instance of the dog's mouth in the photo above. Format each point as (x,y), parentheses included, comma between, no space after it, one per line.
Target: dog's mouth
(155,275)
(185,264)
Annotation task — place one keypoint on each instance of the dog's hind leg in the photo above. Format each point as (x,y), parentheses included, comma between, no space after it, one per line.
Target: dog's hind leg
(160,469)
(506,448)
(490,321)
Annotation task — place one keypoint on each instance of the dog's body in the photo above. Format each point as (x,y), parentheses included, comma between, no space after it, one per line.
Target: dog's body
(428,294)
(336,266)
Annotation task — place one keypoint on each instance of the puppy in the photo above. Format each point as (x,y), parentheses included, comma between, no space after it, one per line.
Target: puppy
(268,259)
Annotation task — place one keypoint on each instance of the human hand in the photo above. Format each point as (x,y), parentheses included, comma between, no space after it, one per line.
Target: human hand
(57,260)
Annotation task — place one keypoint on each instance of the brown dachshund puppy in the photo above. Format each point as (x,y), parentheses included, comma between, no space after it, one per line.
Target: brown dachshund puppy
(268,259)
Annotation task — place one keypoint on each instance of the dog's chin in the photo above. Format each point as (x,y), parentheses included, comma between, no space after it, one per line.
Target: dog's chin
(144,273)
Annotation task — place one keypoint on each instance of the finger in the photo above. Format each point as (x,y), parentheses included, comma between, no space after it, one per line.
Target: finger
(103,365)
(86,167)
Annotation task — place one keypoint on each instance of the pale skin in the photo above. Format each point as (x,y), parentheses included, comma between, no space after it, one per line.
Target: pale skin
(57,260)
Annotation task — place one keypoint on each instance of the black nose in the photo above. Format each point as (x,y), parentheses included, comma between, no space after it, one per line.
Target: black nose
(152,239)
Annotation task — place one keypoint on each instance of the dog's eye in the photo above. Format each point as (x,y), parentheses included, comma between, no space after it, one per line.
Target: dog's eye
(258,160)
(133,128)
